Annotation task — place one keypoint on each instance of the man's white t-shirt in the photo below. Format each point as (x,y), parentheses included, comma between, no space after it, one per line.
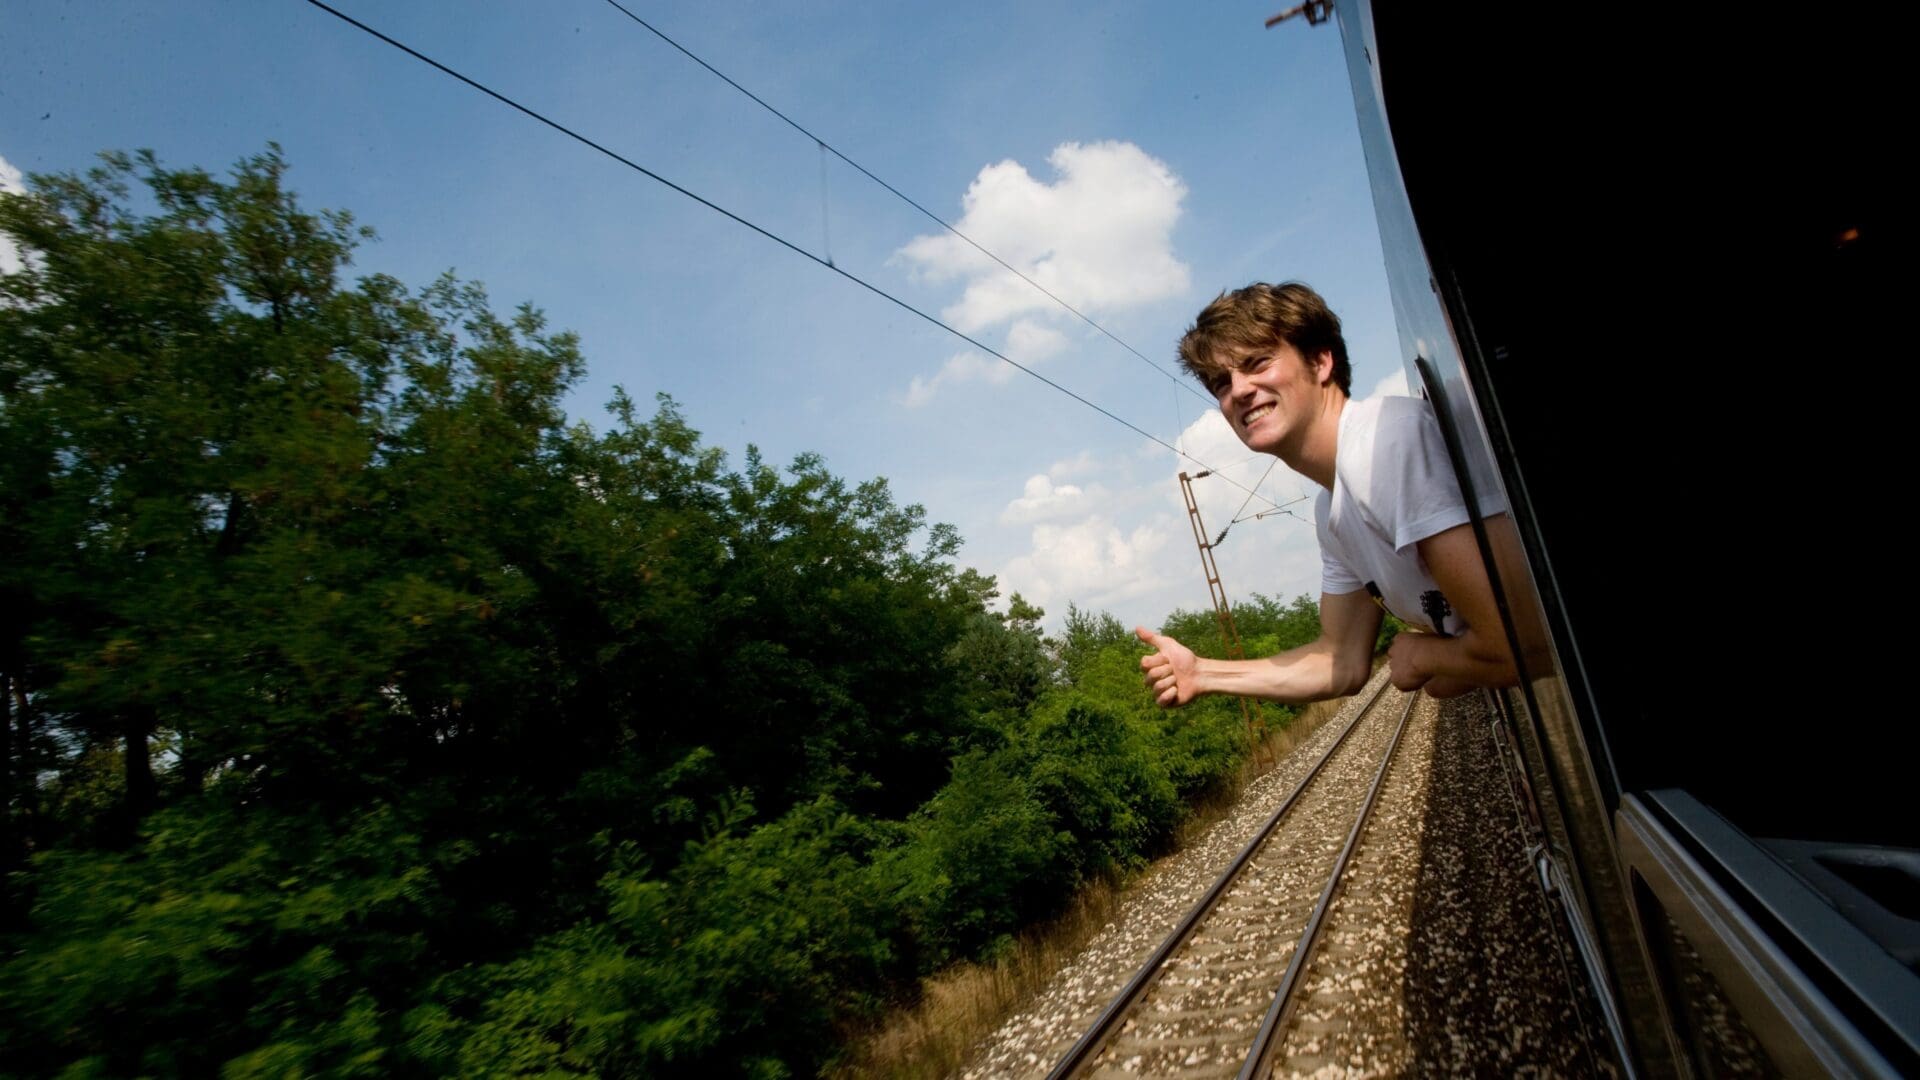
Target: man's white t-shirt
(1393,487)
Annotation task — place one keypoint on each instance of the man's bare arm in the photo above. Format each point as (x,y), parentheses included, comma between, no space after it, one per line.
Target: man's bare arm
(1333,664)
(1479,656)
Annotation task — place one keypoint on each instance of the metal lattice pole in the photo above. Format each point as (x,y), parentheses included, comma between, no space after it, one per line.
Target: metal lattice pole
(1249,707)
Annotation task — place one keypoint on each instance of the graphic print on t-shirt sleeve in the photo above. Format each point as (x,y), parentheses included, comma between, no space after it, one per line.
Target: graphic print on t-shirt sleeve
(1434,604)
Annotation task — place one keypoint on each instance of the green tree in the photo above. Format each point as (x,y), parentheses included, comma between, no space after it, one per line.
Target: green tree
(1002,662)
(1085,636)
(338,665)
(364,717)
(259,489)
(986,856)
(740,961)
(263,558)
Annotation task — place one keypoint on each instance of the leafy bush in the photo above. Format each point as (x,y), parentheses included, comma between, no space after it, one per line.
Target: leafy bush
(983,857)
(232,938)
(1101,779)
(744,959)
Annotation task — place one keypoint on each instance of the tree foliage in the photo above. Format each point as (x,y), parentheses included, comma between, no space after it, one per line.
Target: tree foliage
(364,717)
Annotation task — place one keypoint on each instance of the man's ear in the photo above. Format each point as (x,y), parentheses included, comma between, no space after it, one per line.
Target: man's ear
(1323,367)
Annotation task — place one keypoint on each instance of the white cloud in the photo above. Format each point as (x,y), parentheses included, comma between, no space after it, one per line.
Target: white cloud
(1044,500)
(1028,343)
(1394,385)
(1093,562)
(1078,465)
(1099,237)
(961,367)
(10,181)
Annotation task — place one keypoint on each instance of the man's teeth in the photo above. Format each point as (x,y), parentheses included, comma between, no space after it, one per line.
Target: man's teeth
(1256,414)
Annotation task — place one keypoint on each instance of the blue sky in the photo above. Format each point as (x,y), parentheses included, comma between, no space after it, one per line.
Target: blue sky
(1137,158)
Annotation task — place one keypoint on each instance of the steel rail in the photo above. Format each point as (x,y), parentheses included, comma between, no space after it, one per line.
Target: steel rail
(1544,856)
(1130,994)
(1283,1001)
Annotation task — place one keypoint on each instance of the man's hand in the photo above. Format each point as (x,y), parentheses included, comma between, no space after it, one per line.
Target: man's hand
(1403,662)
(1172,669)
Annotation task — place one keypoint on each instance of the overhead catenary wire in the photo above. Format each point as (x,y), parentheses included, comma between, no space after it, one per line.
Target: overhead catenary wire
(1179,423)
(903,197)
(1235,518)
(1278,507)
(770,235)
(826,229)
(1264,514)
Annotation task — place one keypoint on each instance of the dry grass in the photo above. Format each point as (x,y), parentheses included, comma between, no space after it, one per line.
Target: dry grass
(963,1004)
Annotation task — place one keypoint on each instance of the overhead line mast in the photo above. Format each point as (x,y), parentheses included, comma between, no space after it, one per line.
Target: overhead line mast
(1250,710)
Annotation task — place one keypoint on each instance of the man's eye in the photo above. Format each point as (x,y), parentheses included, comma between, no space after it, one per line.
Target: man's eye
(1255,363)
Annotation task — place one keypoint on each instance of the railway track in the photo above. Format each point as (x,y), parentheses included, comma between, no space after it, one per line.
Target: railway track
(1377,920)
(1204,1003)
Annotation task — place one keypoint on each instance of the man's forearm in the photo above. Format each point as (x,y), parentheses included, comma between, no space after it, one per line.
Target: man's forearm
(1465,661)
(1446,686)
(1309,673)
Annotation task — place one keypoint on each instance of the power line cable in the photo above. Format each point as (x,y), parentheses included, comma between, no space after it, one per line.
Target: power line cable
(1179,423)
(826,229)
(776,238)
(1235,519)
(942,222)
(1278,508)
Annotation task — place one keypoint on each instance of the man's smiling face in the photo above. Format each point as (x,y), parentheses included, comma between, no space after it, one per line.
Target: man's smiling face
(1269,395)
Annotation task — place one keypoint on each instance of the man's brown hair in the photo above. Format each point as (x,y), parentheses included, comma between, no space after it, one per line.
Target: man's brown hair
(1261,316)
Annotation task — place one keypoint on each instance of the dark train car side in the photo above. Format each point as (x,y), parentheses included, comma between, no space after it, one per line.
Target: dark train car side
(1642,259)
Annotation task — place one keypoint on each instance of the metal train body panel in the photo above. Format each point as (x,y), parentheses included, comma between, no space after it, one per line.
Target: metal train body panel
(1589,222)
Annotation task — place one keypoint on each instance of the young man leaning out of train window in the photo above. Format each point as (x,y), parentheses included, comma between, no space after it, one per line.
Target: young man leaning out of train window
(1393,528)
